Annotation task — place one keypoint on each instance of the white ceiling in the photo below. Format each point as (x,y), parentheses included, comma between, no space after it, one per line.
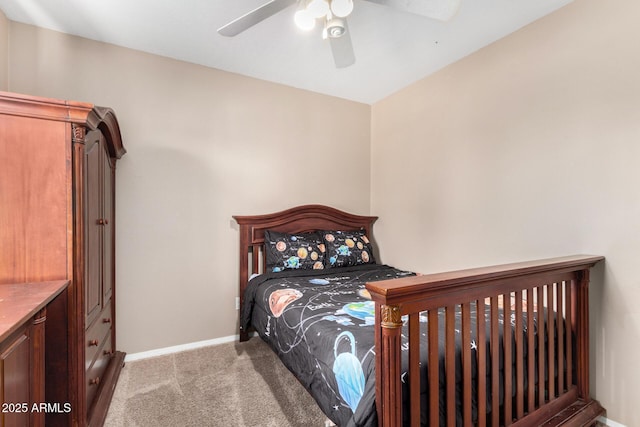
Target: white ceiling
(393,49)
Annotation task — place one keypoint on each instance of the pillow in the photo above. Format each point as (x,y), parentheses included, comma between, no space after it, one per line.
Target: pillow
(346,248)
(284,251)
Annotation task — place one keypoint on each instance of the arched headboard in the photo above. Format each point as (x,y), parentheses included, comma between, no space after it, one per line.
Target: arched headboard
(299,219)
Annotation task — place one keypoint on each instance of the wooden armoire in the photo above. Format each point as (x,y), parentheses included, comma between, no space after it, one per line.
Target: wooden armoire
(57,221)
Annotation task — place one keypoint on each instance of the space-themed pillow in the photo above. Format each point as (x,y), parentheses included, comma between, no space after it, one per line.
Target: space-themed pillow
(347,248)
(284,251)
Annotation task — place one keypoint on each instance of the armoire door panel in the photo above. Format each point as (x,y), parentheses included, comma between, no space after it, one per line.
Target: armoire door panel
(93,226)
(109,228)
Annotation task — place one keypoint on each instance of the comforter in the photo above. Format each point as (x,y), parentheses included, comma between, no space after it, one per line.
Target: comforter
(321,325)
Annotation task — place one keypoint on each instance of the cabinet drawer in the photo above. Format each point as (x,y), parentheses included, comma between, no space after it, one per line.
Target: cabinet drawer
(15,384)
(96,335)
(95,373)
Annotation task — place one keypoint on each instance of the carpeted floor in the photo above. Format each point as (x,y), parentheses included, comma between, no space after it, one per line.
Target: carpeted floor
(235,384)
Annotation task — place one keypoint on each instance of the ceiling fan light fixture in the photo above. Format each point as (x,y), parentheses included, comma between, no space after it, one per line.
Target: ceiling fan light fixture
(304,20)
(318,8)
(341,8)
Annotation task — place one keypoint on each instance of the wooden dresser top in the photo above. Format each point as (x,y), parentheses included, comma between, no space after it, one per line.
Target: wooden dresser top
(19,302)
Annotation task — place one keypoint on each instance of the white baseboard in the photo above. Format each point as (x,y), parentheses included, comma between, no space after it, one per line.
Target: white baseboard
(178,348)
(606,421)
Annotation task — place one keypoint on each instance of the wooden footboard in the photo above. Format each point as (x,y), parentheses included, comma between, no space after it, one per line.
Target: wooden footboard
(532,373)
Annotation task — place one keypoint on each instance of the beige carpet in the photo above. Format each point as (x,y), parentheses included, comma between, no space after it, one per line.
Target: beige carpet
(235,384)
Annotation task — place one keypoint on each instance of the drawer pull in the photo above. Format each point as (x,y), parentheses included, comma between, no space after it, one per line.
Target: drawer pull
(102,221)
(93,342)
(94,381)
(106,320)
(108,352)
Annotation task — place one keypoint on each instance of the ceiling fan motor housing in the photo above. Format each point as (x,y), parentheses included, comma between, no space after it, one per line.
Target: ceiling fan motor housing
(335,28)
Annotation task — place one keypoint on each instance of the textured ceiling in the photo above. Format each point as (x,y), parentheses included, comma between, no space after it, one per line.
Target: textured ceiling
(393,49)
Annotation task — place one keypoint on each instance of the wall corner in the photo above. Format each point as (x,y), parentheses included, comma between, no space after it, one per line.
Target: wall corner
(4,52)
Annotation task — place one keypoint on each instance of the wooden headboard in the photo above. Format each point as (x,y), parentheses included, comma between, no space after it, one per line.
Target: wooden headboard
(300,219)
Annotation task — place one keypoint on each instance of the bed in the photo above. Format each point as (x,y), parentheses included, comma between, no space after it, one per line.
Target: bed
(377,345)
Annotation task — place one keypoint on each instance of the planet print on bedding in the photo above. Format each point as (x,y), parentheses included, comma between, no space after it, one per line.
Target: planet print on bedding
(281,298)
(361,310)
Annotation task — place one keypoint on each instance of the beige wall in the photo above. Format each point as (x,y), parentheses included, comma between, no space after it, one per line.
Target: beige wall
(202,145)
(4,52)
(528,149)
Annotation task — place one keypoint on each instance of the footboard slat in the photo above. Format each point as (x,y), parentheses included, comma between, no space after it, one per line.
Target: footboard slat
(466,364)
(531,307)
(495,361)
(541,345)
(414,369)
(519,336)
(434,368)
(516,370)
(550,343)
(560,332)
(508,360)
(482,362)
(569,328)
(450,364)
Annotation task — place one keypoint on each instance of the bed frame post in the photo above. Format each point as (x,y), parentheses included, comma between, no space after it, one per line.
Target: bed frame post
(388,364)
(582,332)
(244,274)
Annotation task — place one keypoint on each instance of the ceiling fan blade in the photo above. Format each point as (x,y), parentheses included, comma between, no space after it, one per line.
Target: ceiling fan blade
(342,49)
(442,10)
(257,15)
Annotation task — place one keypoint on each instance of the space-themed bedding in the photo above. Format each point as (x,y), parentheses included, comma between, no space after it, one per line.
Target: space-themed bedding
(321,325)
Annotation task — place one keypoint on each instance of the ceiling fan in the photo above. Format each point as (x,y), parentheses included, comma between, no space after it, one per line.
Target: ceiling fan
(333,14)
